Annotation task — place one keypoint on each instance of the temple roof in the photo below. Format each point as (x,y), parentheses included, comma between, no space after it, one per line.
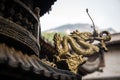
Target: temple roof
(19,64)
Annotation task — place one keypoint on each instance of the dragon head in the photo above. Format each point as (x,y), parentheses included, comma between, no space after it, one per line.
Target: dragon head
(82,35)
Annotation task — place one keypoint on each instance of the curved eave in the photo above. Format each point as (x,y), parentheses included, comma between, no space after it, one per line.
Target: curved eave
(44,5)
(13,61)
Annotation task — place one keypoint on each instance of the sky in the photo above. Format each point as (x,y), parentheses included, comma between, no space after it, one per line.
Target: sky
(105,13)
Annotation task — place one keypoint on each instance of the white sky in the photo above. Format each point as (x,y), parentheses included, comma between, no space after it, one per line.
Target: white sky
(105,13)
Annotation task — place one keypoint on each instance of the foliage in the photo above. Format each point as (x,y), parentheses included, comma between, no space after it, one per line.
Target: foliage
(50,35)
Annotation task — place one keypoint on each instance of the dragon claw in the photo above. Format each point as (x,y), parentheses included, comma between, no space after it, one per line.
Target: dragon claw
(57,37)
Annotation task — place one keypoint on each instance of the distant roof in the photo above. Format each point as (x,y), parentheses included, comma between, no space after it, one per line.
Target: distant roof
(44,5)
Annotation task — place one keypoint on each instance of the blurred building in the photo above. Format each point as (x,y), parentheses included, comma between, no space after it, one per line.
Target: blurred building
(111,70)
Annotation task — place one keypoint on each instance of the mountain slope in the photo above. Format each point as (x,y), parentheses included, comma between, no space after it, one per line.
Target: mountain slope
(71,27)
(67,28)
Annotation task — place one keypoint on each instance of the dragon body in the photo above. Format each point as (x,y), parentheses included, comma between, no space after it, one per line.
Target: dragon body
(73,48)
(78,45)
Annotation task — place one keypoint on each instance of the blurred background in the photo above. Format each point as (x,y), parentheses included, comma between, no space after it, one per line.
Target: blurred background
(105,14)
(69,15)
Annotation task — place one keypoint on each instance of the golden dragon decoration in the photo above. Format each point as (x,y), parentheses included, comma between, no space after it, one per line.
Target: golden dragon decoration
(76,47)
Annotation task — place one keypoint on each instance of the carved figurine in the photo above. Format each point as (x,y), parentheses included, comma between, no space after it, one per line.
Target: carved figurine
(37,12)
(74,48)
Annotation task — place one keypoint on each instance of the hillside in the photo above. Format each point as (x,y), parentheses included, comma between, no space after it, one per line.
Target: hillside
(67,28)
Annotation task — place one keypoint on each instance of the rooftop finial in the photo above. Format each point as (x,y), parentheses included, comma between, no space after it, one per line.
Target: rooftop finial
(95,33)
